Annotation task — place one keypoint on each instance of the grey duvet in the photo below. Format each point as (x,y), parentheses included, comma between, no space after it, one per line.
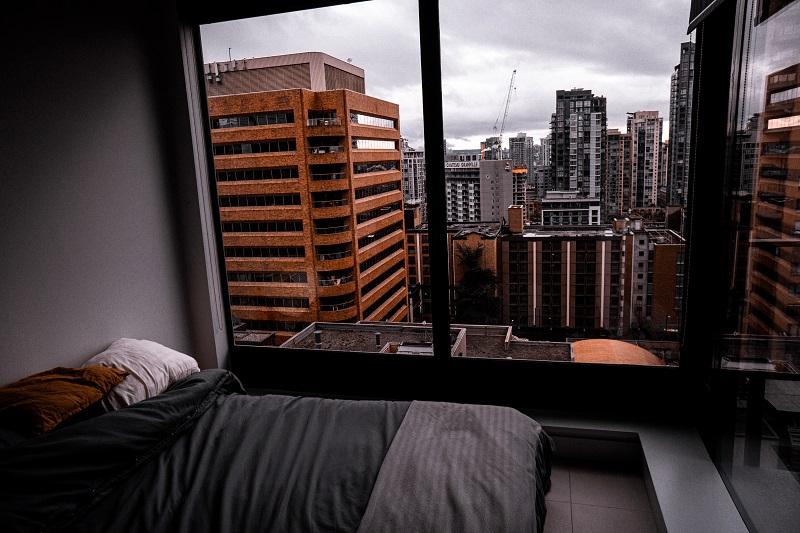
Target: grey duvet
(204,456)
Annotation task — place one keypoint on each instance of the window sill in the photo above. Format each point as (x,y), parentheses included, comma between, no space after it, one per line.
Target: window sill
(685,489)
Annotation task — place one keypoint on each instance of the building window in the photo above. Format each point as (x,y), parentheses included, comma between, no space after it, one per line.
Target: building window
(255,174)
(373,144)
(369,120)
(255,147)
(259,200)
(252,120)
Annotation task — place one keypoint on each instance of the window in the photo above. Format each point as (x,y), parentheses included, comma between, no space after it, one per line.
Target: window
(252,120)
(742,262)
(349,172)
(361,118)
(278,173)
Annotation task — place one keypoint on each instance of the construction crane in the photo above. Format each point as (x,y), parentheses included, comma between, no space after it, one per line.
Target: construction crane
(498,148)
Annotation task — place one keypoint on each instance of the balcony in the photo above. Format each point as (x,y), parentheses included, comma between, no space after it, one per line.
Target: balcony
(341,315)
(337,306)
(324,122)
(330,203)
(328,176)
(330,230)
(326,149)
(333,256)
(330,279)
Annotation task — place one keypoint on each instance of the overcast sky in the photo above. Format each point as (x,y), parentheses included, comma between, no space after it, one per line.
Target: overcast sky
(624,50)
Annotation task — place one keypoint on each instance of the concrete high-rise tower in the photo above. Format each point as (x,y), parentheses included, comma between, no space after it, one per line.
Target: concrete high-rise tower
(680,115)
(646,130)
(618,178)
(523,151)
(414,178)
(578,143)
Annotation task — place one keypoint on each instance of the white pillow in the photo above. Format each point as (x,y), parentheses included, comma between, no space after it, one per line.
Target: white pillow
(152,366)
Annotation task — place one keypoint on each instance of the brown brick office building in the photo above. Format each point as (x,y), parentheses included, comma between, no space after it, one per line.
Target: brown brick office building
(311,206)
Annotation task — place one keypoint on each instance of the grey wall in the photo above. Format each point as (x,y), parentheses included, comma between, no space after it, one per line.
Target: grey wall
(101,227)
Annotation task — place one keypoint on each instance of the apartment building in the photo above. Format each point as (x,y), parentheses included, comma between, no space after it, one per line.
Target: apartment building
(680,122)
(311,206)
(654,270)
(619,165)
(413,166)
(479,190)
(523,151)
(578,142)
(560,208)
(646,129)
(618,277)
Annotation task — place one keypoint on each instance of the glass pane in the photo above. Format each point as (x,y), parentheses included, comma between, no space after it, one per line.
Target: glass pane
(310,132)
(759,458)
(567,145)
(763,178)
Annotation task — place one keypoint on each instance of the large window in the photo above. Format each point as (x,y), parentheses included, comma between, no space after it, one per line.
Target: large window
(555,189)
(527,126)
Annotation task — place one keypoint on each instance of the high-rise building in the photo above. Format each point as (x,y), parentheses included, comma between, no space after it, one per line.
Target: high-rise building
(680,114)
(478,189)
(566,208)
(618,278)
(663,170)
(646,130)
(523,151)
(578,142)
(619,165)
(311,203)
(654,265)
(414,178)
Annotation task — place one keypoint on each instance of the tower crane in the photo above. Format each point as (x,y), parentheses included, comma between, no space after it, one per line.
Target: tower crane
(498,148)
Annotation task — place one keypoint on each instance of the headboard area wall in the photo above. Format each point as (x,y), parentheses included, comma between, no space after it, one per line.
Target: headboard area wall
(91,209)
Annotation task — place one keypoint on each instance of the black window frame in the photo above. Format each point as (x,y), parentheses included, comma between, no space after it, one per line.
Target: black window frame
(545,385)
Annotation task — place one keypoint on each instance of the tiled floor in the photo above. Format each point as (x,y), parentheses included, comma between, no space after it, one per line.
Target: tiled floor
(597,498)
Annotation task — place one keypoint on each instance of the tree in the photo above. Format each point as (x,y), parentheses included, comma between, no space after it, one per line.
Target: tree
(475,300)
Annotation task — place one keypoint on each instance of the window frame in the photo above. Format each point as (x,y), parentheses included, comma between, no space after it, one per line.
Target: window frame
(545,385)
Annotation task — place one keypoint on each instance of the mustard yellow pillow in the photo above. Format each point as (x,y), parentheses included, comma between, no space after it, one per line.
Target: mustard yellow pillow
(36,404)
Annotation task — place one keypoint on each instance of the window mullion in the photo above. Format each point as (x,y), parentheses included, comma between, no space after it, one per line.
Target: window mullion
(431,70)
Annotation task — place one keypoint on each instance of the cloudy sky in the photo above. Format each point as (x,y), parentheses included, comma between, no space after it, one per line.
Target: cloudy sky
(624,50)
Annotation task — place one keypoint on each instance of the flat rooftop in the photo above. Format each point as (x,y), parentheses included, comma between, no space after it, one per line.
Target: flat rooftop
(466,340)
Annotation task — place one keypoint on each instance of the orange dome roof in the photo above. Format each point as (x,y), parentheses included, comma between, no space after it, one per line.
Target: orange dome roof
(613,352)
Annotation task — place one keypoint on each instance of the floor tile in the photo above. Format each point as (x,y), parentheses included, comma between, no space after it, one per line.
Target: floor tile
(559,484)
(559,517)
(593,519)
(622,488)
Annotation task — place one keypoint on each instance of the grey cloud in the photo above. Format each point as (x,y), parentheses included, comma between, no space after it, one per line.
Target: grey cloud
(623,49)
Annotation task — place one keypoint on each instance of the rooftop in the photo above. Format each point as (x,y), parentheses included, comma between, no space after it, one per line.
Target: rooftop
(461,229)
(569,231)
(467,340)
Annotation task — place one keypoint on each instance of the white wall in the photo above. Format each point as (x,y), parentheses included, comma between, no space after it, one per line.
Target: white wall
(100,223)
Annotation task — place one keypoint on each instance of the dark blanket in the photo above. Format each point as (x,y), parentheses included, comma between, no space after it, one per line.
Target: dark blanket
(205,456)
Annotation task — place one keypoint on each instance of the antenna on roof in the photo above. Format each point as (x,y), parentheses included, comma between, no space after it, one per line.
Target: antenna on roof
(229,54)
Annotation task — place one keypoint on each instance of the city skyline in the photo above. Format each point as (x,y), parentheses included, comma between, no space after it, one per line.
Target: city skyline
(629,62)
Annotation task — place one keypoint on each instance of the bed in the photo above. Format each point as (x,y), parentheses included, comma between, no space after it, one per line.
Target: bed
(203,455)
